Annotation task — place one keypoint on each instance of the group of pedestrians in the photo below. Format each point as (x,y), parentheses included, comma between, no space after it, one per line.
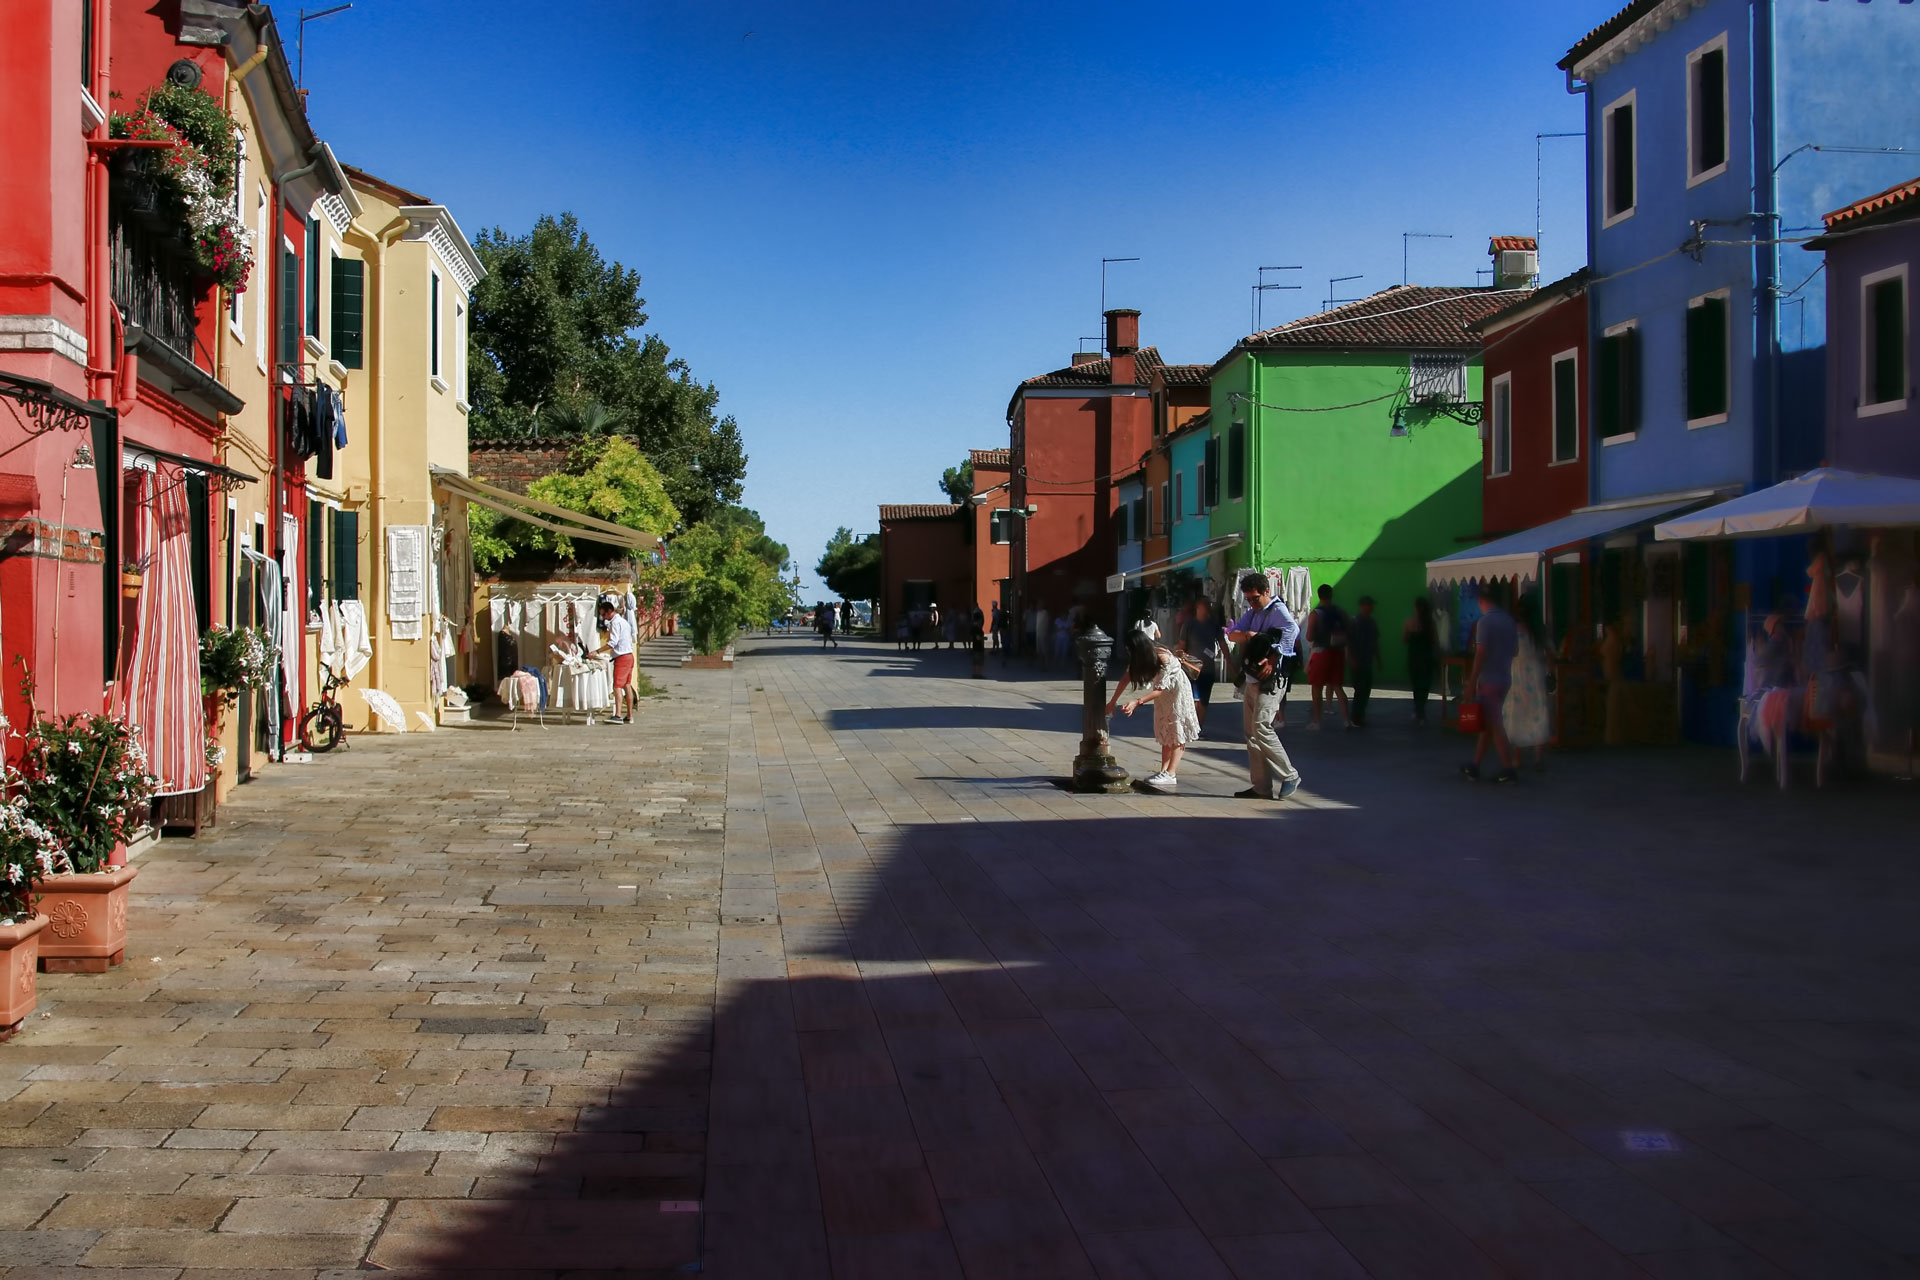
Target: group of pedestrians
(829,618)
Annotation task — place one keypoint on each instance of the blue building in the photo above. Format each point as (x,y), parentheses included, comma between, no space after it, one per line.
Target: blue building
(1718,132)
(1192,546)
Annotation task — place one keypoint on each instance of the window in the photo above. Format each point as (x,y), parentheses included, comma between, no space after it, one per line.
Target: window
(1236,461)
(1139,521)
(1566,407)
(460,352)
(1707,352)
(86,44)
(1617,398)
(1441,373)
(1617,138)
(1166,505)
(1707,111)
(344,584)
(260,271)
(1883,341)
(433,324)
(1000,527)
(289,303)
(231,530)
(1179,497)
(200,548)
(1500,433)
(316,554)
(1120,538)
(239,213)
(313,277)
(1211,467)
(349,311)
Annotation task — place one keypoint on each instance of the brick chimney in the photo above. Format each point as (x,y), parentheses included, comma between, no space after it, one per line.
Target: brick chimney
(1123,339)
(1084,357)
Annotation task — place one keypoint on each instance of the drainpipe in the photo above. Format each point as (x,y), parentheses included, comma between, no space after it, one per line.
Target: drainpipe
(1259,553)
(1582,88)
(374,352)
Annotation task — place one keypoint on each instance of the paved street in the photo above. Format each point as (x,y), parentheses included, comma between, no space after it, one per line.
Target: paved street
(814,971)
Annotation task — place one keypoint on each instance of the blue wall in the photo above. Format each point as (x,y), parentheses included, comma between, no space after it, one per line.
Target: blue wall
(1185,454)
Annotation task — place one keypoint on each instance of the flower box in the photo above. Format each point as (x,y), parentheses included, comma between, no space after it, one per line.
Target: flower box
(707,662)
(86,920)
(188,812)
(19,965)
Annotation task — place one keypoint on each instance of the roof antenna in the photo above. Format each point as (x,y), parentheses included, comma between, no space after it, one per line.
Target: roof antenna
(1332,301)
(1256,310)
(300,41)
(1408,236)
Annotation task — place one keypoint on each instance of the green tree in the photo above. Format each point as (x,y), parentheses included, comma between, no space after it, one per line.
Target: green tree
(718,584)
(605,477)
(958,481)
(774,553)
(851,566)
(556,350)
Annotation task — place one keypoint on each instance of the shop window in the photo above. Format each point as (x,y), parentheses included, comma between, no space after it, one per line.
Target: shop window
(1236,461)
(1707,360)
(313,277)
(1566,406)
(1883,341)
(1707,111)
(1620,176)
(1500,430)
(347,339)
(1617,398)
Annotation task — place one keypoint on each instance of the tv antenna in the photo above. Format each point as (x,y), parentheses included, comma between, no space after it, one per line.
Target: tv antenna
(1333,301)
(300,38)
(1103,285)
(1256,309)
(1408,237)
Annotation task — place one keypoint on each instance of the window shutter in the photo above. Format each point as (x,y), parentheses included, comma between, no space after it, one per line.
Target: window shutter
(289,307)
(1213,472)
(1889,342)
(1566,411)
(1120,525)
(316,554)
(346,555)
(313,276)
(349,311)
(1236,461)
(1630,380)
(1139,519)
(200,550)
(1707,358)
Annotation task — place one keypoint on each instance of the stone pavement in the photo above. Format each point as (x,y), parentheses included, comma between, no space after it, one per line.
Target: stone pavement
(815,972)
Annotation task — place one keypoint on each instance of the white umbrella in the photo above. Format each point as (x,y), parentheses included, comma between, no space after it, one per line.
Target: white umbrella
(1823,496)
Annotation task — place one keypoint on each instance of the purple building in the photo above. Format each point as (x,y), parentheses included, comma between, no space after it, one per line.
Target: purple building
(1873,345)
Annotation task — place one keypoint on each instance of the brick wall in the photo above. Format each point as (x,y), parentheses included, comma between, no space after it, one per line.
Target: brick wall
(515,464)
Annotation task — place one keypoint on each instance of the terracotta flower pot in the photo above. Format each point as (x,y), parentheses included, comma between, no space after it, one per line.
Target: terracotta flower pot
(19,960)
(130,584)
(86,920)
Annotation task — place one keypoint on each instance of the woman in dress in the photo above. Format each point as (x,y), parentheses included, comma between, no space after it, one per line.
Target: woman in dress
(1157,673)
(1527,714)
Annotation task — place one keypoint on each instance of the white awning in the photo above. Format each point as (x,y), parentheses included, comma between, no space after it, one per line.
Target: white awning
(573,524)
(1518,555)
(1821,497)
(1200,552)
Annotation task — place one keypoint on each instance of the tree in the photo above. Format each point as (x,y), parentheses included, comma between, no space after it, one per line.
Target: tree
(555,350)
(717,583)
(958,481)
(606,478)
(774,553)
(851,567)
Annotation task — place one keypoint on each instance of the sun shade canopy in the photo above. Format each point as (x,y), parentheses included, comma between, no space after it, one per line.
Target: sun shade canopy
(573,524)
(1823,496)
(1518,555)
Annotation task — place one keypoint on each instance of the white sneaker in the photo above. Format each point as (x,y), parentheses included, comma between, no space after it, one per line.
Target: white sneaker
(1161,781)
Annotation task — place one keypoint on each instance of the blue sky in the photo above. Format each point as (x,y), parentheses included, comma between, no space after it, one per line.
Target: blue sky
(866,222)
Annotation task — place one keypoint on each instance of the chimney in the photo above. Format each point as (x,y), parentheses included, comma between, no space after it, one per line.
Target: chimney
(1123,339)
(1516,261)
(1084,357)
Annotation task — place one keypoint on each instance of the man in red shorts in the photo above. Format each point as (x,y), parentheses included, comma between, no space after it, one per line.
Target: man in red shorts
(619,643)
(1327,629)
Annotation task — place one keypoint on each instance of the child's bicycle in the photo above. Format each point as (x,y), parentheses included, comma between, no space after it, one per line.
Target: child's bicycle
(324,727)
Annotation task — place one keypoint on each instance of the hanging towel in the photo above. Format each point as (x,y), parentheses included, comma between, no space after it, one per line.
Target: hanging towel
(330,636)
(356,643)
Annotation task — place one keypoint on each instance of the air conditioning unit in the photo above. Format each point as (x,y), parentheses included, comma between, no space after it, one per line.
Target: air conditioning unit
(1519,263)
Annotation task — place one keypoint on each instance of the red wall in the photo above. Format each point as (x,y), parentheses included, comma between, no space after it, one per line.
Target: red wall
(1535,491)
(989,561)
(1070,448)
(935,549)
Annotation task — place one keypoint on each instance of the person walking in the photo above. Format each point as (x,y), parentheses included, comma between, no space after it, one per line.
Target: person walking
(1528,711)
(1495,642)
(1200,640)
(1260,695)
(1363,648)
(619,646)
(823,622)
(1157,672)
(1327,633)
(999,627)
(1422,639)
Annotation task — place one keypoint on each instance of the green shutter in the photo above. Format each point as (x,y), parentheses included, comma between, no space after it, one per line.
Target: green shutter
(1707,358)
(346,555)
(349,311)
(1566,410)
(289,307)
(316,553)
(1236,461)
(313,277)
(1213,472)
(1887,347)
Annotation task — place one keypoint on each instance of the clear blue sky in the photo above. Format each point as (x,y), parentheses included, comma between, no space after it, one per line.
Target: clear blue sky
(865,222)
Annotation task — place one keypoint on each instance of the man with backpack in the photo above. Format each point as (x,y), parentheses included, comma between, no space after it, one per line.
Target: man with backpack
(1328,630)
(1266,634)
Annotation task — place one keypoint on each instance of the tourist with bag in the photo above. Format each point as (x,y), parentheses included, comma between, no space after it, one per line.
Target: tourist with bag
(1266,634)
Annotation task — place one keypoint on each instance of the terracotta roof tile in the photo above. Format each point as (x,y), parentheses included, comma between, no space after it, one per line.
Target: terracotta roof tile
(1097,373)
(1608,30)
(1406,316)
(1902,200)
(918,510)
(992,459)
(1186,375)
(1567,286)
(1503,244)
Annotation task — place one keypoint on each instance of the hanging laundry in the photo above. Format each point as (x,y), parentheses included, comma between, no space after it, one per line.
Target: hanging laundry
(356,643)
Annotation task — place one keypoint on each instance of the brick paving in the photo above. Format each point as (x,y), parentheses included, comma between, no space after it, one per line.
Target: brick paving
(814,972)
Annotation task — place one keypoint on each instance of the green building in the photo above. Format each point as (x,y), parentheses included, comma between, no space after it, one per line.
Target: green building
(1348,443)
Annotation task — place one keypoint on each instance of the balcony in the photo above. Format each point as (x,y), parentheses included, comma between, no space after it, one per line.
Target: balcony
(157,287)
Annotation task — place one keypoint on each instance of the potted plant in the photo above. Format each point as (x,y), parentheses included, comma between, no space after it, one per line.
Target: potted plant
(85,780)
(133,575)
(28,853)
(184,191)
(232,659)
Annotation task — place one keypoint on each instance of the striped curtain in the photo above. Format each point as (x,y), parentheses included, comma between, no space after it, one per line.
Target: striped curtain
(162,689)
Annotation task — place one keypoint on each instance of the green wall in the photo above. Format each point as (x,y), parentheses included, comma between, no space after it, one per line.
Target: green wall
(1337,492)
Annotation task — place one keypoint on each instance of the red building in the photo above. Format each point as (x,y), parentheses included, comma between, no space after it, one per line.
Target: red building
(992,526)
(114,404)
(1534,437)
(1072,431)
(926,559)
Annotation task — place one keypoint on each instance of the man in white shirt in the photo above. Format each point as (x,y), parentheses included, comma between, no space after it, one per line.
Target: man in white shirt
(619,643)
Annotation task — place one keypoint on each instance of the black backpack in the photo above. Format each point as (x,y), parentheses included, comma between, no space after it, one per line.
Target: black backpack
(1260,657)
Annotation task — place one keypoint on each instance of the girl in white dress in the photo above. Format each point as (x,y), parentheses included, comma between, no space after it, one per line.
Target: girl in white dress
(1158,674)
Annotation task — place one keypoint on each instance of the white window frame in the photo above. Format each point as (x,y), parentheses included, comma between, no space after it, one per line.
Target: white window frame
(1631,98)
(263,282)
(235,319)
(1500,425)
(436,338)
(1716,419)
(1614,330)
(1696,175)
(1553,409)
(1862,409)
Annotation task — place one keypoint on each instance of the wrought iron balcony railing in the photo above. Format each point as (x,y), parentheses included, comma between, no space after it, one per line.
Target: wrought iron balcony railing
(156,286)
